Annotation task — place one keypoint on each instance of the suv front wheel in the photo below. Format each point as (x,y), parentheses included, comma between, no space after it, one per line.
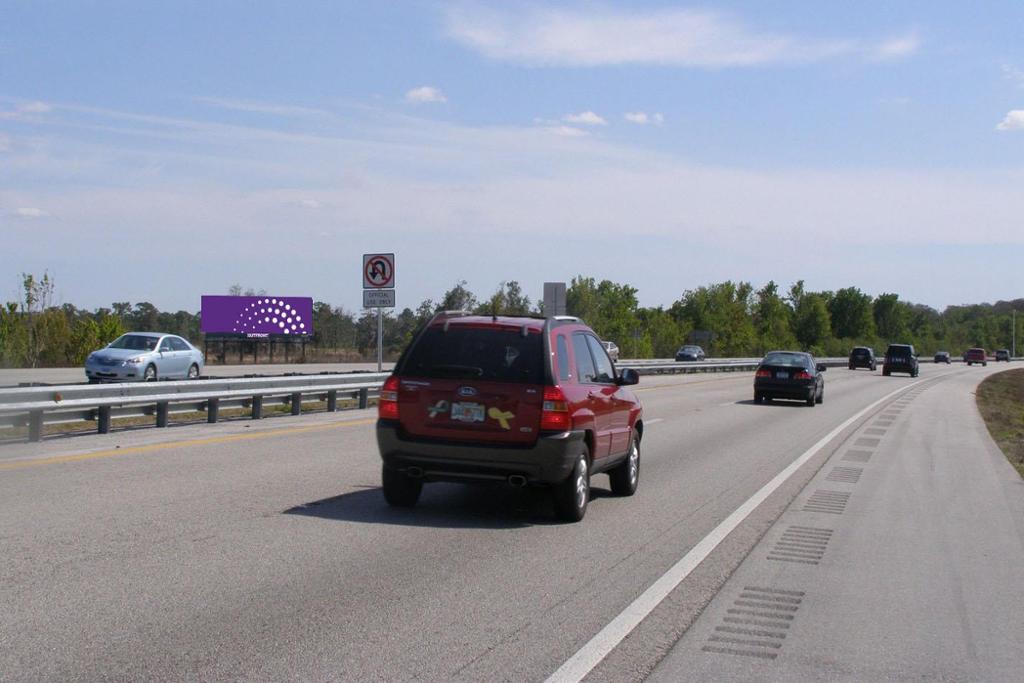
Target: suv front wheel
(625,476)
(572,495)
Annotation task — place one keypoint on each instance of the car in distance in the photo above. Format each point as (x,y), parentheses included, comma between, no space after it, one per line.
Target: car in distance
(862,357)
(613,350)
(900,358)
(144,356)
(789,374)
(942,357)
(976,355)
(1003,354)
(527,401)
(689,352)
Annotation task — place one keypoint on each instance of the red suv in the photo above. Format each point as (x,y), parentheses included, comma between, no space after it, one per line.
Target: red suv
(527,401)
(973,356)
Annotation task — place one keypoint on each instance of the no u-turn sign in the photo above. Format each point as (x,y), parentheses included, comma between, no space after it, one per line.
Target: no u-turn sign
(378,271)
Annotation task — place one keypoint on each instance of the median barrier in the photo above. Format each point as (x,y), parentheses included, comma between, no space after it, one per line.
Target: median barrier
(36,406)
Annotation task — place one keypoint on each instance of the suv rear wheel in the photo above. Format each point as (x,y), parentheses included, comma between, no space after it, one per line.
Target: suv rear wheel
(400,490)
(573,494)
(625,476)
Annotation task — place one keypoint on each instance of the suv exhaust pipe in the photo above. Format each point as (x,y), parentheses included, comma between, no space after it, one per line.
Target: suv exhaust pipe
(517,480)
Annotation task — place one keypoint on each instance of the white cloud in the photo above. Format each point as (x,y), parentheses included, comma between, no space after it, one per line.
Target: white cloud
(1013,74)
(30,212)
(674,37)
(34,108)
(568,131)
(261,107)
(425,93)
(895,101)
(895,48)
(5,143)
(23,110)
(642,118)
(1014,121)
(310,204)
(587,118)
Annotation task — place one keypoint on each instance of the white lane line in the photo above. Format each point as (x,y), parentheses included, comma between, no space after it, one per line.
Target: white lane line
(654,420)
(591,654)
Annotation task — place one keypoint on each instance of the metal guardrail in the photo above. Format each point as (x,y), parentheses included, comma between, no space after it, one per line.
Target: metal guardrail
(36,406)
(668,366)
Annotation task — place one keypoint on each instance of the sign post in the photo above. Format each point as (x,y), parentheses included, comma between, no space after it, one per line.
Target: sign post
(554,299)
(379,292)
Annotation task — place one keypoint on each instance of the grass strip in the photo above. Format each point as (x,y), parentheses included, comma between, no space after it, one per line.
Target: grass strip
(1001,403)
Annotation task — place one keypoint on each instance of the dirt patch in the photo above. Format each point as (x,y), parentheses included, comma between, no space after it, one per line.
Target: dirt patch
(1001,402)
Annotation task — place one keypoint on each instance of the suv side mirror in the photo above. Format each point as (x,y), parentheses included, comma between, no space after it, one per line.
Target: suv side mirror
(628,376)
(821,367)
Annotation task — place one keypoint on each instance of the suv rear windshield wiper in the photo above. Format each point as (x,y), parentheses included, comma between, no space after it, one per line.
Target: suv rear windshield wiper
(454,370)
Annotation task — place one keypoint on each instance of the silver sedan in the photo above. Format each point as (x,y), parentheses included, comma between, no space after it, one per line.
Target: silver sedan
(145,357)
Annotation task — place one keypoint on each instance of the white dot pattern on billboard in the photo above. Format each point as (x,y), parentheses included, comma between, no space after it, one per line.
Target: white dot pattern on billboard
(272,311)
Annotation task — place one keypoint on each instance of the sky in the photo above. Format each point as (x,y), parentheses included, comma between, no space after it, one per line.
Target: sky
(154,151)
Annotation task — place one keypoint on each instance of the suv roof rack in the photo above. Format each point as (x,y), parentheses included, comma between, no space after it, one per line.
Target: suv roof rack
(452,314)
(567,318)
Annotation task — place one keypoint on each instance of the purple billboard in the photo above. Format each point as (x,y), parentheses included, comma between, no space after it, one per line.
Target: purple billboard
(257,316)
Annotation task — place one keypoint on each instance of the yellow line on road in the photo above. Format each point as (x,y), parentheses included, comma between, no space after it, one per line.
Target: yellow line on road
(130,450)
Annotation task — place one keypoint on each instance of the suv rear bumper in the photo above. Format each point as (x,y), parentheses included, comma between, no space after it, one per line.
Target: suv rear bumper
(901,367)
(549,461)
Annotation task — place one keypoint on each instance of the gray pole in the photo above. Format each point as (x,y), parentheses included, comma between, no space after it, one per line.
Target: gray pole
(380,338)
(1013,338)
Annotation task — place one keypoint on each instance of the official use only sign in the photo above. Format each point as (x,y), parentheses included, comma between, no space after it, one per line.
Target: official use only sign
(378,298)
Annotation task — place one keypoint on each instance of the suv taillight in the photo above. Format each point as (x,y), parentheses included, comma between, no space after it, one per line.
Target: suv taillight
(554,416)
(387,405)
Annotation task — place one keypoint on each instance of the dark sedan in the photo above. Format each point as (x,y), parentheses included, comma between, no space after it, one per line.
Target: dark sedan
(942,357)
(690,353)
(789,374)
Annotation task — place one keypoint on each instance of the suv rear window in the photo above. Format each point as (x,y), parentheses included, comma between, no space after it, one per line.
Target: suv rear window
(899,351)
(497,354)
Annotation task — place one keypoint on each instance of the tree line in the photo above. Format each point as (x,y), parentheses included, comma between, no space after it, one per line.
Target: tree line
(729,319)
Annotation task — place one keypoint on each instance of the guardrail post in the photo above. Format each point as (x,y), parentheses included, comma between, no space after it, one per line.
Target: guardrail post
(364,397)
(161,413)
(35,425)
(257,407)
(103,420)
(296,402)
(332,400)
(212,410)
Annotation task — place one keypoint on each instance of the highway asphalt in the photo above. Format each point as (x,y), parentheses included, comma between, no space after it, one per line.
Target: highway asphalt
(264,550)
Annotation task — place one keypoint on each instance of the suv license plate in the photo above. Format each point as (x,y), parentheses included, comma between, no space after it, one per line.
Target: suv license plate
(467,412)
(781,375)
